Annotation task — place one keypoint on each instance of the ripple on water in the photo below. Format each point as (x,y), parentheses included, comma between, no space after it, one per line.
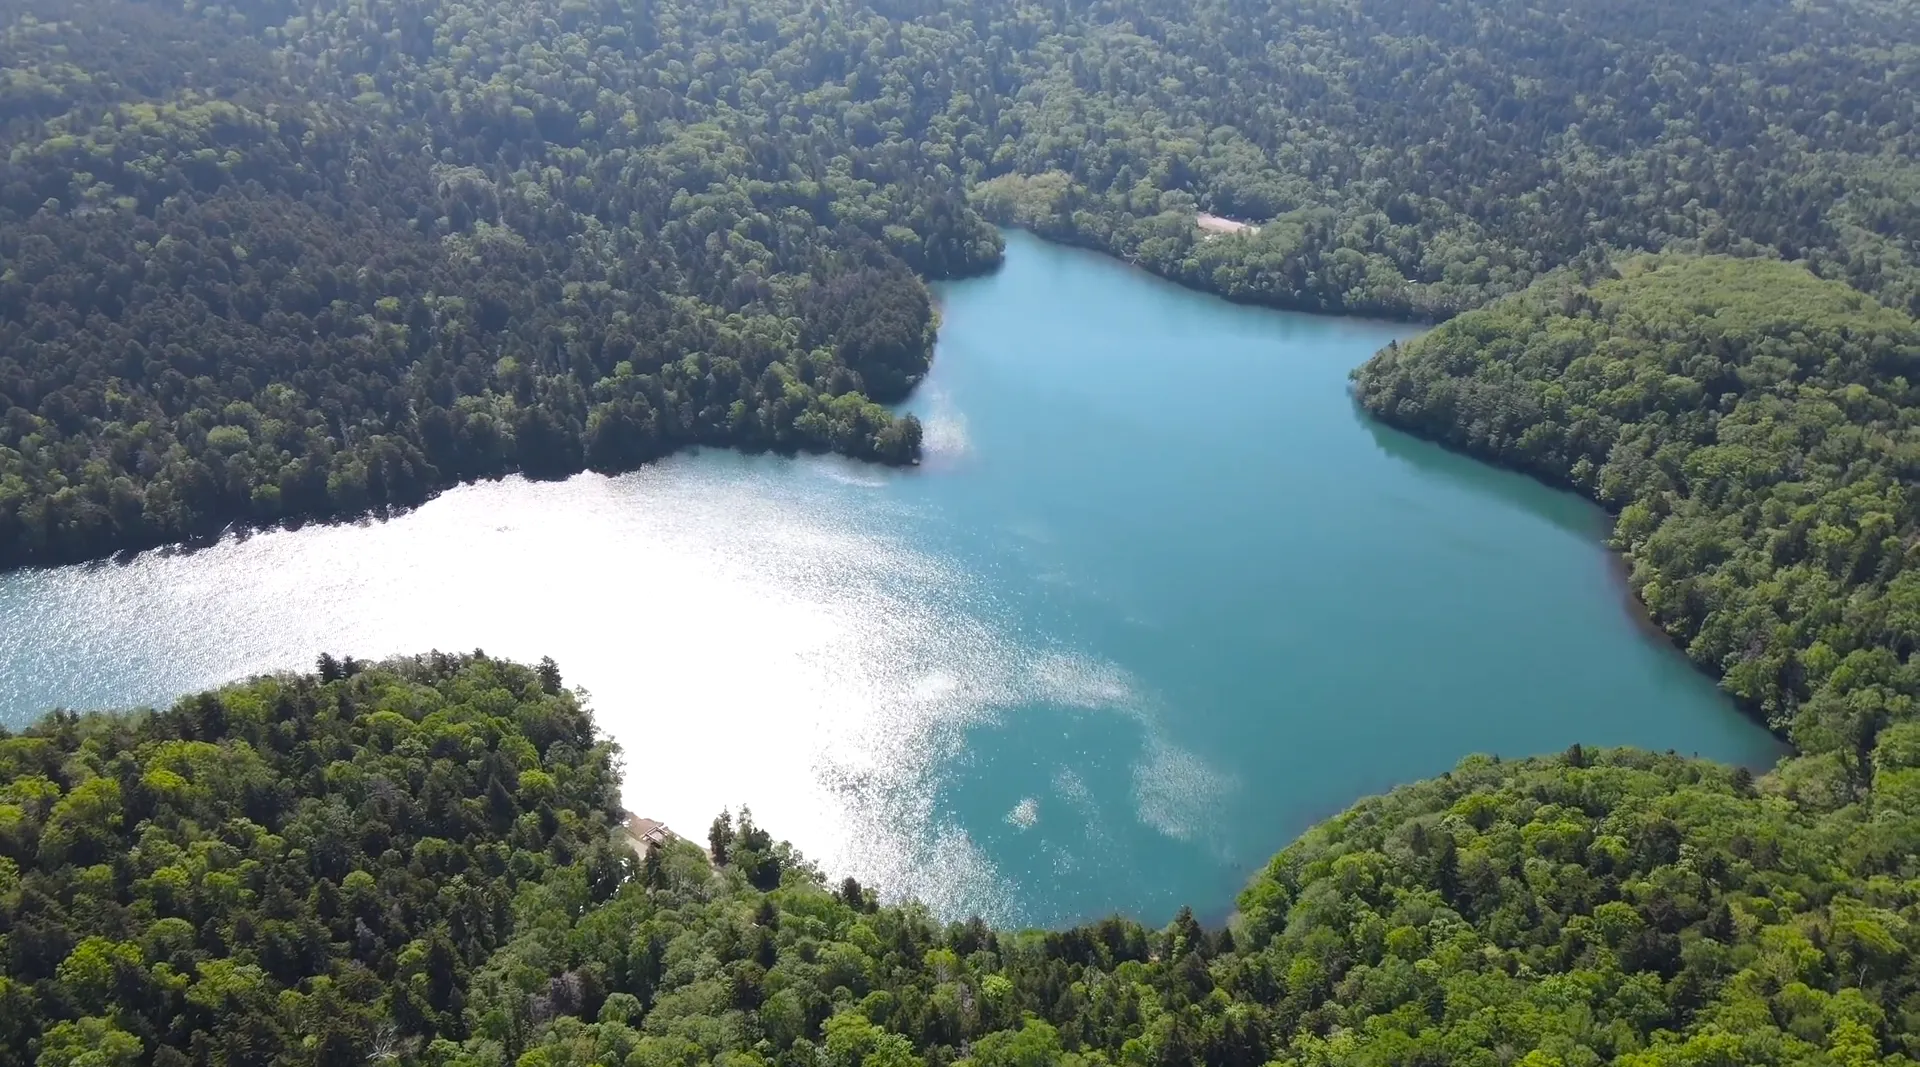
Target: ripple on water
(944,433)
(1024,814)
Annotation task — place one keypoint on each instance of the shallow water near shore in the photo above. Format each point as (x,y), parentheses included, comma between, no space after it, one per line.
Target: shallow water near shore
(1159,598)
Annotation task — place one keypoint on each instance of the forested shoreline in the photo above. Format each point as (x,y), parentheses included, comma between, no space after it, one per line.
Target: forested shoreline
(1756,432)
(268,263)
(421,862)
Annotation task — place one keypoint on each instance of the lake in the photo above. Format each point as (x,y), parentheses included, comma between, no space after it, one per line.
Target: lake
(1159,598)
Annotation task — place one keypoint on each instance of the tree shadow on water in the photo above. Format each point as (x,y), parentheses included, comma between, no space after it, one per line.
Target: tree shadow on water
(1475,477)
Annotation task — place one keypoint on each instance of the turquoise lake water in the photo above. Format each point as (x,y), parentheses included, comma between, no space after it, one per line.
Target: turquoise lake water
(1159,598)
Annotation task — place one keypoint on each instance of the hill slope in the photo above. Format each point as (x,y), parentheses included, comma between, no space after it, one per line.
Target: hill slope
(417,862)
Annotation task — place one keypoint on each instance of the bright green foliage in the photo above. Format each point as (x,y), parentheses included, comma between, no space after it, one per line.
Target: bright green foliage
(266,261)
(1758,432)
(345,868)
(294,870)
(1595,908)
(1609,907)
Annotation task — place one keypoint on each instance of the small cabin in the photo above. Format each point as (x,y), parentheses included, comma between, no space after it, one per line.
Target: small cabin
(646,833)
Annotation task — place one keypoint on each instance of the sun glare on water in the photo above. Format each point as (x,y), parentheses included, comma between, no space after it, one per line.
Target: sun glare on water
(745,637)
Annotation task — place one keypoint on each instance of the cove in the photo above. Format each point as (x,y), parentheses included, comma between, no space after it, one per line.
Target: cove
(1159,598)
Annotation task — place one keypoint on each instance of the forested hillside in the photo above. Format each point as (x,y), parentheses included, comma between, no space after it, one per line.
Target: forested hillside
(291,870)
(268,261)
(1596,908)
(1758,431)
(415,863)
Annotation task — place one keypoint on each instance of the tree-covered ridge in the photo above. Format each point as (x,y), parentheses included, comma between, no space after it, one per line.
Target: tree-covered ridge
(293,870)
(1758,431)
(415,863)
(1607,908)
(1419,159)
(1615,907)
(270,261)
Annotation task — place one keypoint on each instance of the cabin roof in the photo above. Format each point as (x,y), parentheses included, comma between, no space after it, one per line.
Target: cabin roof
(648,829)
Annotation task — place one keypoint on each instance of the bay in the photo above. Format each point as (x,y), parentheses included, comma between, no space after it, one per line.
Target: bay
(1159,598)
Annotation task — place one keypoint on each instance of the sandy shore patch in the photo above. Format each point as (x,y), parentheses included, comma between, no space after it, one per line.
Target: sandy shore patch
(1219,224)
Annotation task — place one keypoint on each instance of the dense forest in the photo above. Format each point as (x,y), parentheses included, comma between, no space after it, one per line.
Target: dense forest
(291,870)
(415,863)
(1757,430)
(243,283)
(263,262)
